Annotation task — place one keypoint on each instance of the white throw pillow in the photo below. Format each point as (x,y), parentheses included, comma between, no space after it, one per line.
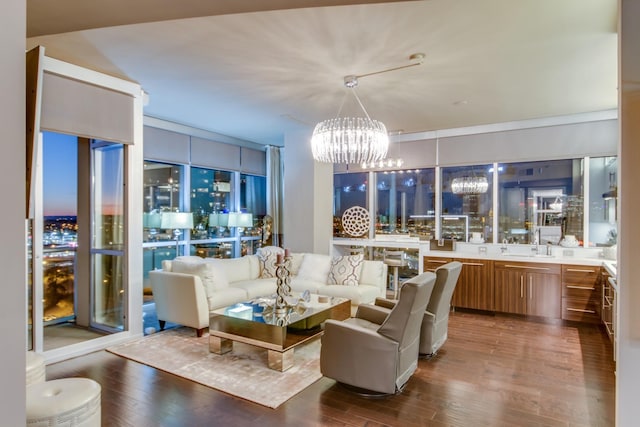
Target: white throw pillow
(346,270)
(268,256)
(296,261)
(315,267)
(211,276)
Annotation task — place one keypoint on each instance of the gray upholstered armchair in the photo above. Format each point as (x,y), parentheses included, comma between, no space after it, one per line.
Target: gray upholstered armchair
(377,350)
(435,323)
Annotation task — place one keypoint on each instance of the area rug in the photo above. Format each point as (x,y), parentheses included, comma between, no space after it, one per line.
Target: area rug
(243,372)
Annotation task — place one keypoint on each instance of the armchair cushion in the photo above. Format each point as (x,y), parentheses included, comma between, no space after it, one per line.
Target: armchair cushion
(372,314)
(345,270)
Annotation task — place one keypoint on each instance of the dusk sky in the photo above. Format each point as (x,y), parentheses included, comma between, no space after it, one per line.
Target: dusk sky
(60,160)
(60,164)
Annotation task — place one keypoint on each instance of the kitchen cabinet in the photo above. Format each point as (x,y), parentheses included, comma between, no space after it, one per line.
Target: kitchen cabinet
(430,263)
(527,288)
(475,285)
(608,303)
(581,293)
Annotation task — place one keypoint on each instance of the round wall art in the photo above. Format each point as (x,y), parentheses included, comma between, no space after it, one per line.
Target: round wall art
(356,221)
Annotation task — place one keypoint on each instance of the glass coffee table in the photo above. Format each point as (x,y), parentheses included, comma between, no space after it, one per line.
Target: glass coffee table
(257,323)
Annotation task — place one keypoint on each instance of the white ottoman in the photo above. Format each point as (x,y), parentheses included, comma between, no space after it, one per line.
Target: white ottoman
(35,368)
(68,402)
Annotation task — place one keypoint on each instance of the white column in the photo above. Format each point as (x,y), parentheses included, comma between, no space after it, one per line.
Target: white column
(13,304)
(308,197)
(628,327)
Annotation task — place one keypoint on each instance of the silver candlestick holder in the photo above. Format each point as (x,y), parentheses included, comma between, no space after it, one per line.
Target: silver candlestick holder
(283,283)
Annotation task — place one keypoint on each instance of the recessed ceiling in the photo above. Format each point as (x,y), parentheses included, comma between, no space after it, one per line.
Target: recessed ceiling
(257,75)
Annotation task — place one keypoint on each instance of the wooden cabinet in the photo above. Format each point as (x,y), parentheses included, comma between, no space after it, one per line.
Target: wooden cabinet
(581,293)
(528,288)
(475,285)
(430,263)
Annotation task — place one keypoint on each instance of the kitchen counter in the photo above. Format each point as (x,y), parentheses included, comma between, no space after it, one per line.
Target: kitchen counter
(489,251)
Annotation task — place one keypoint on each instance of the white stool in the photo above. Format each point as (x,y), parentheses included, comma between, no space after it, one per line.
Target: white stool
(35,368)
(69,402)
(395,259)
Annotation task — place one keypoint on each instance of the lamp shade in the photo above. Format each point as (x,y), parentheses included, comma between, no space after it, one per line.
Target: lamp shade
(245,220)
(151,220)
(176,220)
(233,219)
(223,220)
(214,220)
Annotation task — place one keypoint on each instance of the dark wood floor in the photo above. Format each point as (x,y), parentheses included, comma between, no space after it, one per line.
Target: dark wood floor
(493,371)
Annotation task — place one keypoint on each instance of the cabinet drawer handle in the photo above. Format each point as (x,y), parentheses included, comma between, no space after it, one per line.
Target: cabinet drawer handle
(581,310)
(530,287)
(578,270)
(479,264)
(525,267)
(580,287)
(521,287)
(437,261)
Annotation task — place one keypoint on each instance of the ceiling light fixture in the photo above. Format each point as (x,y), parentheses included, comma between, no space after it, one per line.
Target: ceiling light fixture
(350,139)
(354,139)
(470,185)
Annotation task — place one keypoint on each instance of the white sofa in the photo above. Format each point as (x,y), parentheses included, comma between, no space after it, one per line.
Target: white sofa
(188,288)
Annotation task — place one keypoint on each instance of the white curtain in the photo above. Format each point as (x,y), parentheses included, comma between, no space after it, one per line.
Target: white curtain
(275,191)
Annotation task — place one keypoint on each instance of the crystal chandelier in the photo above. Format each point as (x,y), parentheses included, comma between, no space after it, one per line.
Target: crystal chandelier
(350,139)
(470,185)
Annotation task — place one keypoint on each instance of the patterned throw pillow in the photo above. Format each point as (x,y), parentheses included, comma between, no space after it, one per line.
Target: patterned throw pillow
(346,270)
(267,257)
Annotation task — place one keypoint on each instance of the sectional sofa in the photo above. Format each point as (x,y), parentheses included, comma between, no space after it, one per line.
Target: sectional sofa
(188,288)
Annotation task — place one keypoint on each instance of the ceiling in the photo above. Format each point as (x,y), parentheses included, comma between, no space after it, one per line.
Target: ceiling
(255,72)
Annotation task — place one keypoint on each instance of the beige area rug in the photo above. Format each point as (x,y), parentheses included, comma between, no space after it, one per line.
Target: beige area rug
(243,372)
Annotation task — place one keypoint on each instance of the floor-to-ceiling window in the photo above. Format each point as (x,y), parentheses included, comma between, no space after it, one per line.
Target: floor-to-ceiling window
(82,198)
(349,190)
(405,202)
(537,201)
(59,236)
(541,201)
(467,203)
(108,238)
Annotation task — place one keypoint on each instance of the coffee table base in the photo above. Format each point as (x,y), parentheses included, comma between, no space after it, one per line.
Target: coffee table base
(278,360)
(220,345)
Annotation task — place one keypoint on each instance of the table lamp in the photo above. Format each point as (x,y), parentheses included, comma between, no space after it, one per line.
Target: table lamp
(214,221)
(176,221)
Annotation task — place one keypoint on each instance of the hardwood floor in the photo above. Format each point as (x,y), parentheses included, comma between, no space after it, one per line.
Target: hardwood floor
(492,371)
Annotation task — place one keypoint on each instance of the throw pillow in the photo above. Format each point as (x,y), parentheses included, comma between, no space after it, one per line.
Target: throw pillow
(211,276)
(267,257)
(315,268)
(296,261)
(346,270)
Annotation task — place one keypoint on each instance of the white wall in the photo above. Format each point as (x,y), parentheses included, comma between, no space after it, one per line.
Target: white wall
(628,360)
(12,259)
(308,197)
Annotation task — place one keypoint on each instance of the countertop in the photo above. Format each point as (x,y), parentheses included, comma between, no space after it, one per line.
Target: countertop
(492,251)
